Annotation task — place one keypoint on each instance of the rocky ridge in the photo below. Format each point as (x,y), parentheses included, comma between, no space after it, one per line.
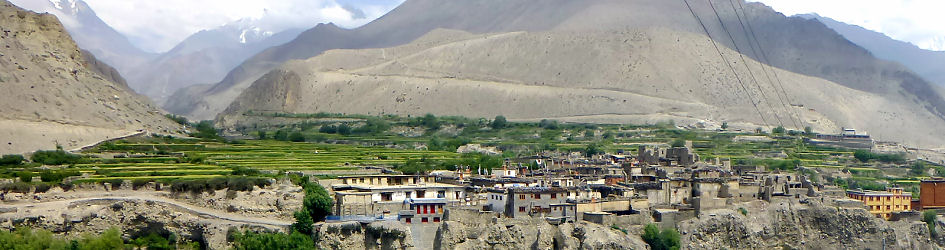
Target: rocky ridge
(54,94)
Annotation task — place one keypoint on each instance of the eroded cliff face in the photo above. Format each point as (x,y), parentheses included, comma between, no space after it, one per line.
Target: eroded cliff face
(532,234)
(351,235)
(803,226)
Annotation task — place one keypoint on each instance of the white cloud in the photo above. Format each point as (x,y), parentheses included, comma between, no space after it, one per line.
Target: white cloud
(158,25)
(917,21)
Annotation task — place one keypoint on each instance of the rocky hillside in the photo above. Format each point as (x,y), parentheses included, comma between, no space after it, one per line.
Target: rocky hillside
(633,75)
(799,226)
(926,63)
(90,32)
(56,95)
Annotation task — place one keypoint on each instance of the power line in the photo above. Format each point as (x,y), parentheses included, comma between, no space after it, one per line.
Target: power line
(725,60)
(763,69)
(745,62)
(764,56)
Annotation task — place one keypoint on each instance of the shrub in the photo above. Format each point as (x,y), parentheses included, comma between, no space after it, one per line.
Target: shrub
(281,135)
(778,130)
(499,122)
(261,135)
(743,211)
(178,119)
(373,126)
(274,241)
(548,124)
(328,129)
(16,187)
(245,171)
(57,176)
(930,217)
(665,240)
(25,176)
(55,157)
(297,137)
(866,156)
(8,160)
(42,187)
(138,183)
(206,130)
(303,222)
(344,129)
(317,202)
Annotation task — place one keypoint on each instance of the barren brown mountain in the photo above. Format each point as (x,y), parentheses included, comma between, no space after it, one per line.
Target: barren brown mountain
(56,95)
(656,51)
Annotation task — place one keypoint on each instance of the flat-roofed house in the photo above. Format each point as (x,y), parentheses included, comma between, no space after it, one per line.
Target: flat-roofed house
(386,195)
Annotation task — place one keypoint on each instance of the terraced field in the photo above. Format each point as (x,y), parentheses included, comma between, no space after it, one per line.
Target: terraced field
(203,159)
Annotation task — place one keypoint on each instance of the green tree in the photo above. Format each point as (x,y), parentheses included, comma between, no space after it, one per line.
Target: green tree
(678,143)
(344,129)
(261,135)
(55,157)
(779,130)
(918,168)
(281,135)
(808,130)
(110,239)
(724,125)
(499,122)
(297,137)
(272,241)
(592,149)
(317,201)
(668,239)
(8,160)
(303,222)
(930,218)
(206,130)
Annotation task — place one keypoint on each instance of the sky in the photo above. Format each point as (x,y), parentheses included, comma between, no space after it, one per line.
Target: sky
(920,22)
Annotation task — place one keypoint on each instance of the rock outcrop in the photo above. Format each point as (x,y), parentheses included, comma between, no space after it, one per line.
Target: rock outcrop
(352,235)
(800,226)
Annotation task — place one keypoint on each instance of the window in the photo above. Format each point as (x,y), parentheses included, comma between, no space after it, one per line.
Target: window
(458,194)
(436,219)
(439,208)
(537,196)
(409,194)
(424,220)
(426,209)
(387,196)
(441,194)
(554,195)
(418,209)
(421,194)
(521,209)
(521,197)
(361,180)
(407,220)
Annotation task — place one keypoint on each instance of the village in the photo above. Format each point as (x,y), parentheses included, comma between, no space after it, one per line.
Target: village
(664,185)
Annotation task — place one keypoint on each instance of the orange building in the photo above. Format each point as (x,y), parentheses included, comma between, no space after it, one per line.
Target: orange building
(932,194)
(883,204)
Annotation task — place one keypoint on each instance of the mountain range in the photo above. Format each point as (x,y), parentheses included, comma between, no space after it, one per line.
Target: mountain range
(788,57)
(638,61)
(204,57)
(928,64)
(56,95)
